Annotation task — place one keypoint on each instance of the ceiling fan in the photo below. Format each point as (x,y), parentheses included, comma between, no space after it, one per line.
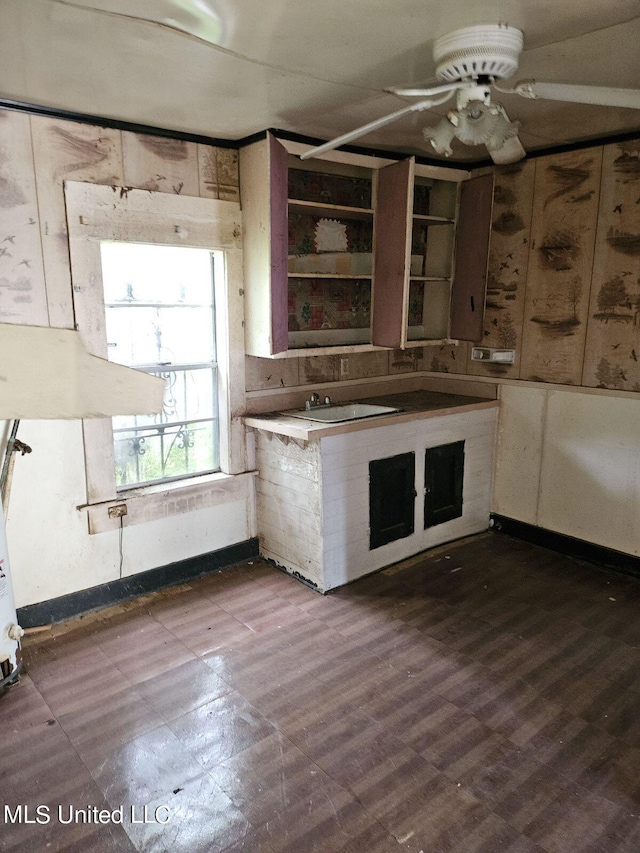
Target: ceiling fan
(470,62)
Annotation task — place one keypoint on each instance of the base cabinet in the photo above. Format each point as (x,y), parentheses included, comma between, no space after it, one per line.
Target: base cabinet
(335,509)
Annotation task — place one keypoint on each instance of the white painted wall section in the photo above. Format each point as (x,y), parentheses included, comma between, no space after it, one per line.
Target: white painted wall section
(51,551)
(519,452)
(569,462)
(590,473)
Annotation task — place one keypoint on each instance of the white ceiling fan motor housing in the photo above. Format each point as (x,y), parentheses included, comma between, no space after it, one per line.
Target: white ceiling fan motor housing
(489,49)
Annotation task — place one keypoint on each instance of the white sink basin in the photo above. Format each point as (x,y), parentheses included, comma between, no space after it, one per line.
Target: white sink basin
(345,412)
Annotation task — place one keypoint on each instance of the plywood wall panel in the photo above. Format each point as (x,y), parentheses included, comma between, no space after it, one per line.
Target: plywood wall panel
(363,365)
(449,358)
(228,179)
(208,171)
(508,264)
(23,297)
(67,151)
(263,373)
(218,173)
(563,229)
(160,164)
(405,360)
(612,353)
(319,368)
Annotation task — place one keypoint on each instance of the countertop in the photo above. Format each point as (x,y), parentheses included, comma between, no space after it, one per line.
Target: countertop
(415,405)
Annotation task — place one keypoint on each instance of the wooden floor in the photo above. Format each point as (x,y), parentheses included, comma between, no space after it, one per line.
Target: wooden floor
(483,699)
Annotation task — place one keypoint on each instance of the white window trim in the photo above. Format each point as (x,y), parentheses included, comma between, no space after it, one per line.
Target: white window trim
(96,213)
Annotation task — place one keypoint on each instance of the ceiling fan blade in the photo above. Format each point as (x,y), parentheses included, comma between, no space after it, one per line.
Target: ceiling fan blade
(375,125)
(424,91)
(605,96)
(510,152)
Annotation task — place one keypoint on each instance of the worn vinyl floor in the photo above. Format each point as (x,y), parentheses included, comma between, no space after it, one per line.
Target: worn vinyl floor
(482,699)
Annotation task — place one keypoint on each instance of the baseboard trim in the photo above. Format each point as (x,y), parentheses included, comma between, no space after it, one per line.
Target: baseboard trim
(114,592)
(607,558)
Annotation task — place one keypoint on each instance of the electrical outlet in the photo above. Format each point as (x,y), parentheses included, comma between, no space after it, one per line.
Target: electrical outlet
(497,356)
(344,368)
(117,511)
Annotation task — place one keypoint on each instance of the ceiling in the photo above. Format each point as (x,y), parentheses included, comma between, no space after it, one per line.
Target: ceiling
(230,68)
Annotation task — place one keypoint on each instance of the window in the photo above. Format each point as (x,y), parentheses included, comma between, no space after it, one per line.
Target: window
(153,322)
(160,317)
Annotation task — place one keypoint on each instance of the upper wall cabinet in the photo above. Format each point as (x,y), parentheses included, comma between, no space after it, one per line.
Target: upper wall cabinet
(343,254)
(431,253)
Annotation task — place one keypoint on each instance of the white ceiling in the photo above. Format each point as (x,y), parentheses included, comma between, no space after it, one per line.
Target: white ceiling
(230,68)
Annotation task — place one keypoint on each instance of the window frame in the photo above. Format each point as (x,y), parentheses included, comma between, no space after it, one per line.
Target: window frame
(216,274)
(96,213)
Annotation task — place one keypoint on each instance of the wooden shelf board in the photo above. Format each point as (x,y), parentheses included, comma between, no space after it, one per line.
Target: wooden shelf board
(328,275)
(329,210)
(433,220)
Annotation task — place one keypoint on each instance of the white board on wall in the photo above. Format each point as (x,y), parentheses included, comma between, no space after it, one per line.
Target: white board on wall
(47,373)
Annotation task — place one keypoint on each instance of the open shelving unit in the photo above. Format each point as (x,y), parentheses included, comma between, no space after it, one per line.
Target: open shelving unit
(330,234)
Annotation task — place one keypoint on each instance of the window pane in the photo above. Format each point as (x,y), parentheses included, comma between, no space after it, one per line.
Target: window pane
(189,395)
(157,453)
(149,335)
(159,312)
(159,274)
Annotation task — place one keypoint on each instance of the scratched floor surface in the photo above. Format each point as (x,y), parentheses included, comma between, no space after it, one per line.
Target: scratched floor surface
(482,699)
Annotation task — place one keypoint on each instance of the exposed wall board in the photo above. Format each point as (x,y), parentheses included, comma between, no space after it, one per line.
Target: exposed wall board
(160,164)
(47,373)
(519,452)
(262,373)
(590,475)
(163,502)
(563,228)
(363,365)
(67,151)
(404,360)
(228,178)
(218,173)
(449,358)
(319,368)
(612,353)
(508,263)
(207,171)
(23,297)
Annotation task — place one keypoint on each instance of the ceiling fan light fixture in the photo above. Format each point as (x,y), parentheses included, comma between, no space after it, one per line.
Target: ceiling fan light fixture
(511,151)
(441,136)
(478,124)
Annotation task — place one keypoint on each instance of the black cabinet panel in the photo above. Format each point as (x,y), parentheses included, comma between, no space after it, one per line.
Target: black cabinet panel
(391,498)
(444,473)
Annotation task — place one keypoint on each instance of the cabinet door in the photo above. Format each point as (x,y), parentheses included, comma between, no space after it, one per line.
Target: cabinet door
(263,168)
(443,475)
(392,254)
(391,498)
(471,258)
(279,245)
